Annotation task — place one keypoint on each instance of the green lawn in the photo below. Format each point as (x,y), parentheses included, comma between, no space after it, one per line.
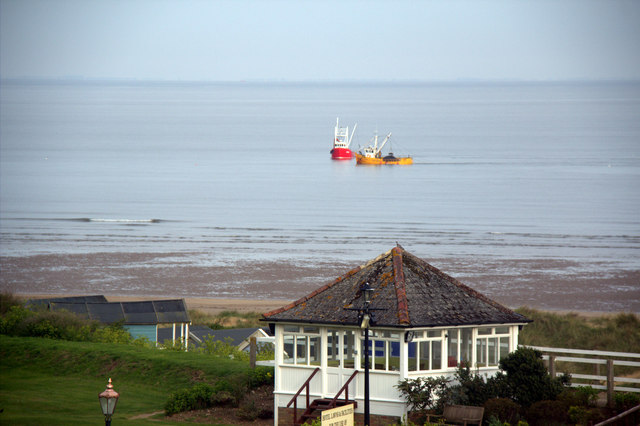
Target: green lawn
(45,381)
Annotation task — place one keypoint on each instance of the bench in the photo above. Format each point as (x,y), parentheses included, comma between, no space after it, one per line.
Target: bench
(460,414)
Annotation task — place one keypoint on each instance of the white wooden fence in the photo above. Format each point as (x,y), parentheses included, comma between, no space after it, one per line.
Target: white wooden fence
(597,358)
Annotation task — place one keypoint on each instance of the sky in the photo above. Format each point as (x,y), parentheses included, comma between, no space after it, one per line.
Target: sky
(318,40)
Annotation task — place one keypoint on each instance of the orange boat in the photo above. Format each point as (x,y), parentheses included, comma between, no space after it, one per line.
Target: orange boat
(372,155)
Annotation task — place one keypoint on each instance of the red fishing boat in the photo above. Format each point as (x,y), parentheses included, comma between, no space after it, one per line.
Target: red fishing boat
(341,142)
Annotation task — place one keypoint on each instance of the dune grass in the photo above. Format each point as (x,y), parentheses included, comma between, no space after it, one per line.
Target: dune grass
(616,332)
(226,319)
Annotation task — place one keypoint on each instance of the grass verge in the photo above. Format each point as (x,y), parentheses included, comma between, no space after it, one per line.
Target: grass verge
(44,381)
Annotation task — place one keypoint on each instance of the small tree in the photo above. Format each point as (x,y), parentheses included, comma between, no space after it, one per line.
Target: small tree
(527,379)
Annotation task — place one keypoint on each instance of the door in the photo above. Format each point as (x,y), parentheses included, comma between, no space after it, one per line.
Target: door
(342,351)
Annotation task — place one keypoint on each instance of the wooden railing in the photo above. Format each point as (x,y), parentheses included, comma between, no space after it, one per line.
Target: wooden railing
(345,389)
(294,400)
(597,358)
(622,416)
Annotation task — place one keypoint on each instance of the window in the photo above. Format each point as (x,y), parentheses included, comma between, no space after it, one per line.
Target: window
(492,344)
(384,350)
(425,352)
(341,349)
(301,346)
(459,346)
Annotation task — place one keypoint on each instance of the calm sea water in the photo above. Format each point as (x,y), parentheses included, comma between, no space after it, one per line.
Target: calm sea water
(243,171)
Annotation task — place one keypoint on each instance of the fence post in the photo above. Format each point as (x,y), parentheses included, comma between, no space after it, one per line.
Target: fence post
(253,349)
(610,383)
(552,366)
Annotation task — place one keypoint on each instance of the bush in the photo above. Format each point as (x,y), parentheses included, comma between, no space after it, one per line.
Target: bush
(527,378)
(582,396)
(625,400)
(194,398)
(7,301)
(219,348)
(580,415)
(503,409)
(471,389)
(260,376)
(419,392)
(62,325)
(545,413)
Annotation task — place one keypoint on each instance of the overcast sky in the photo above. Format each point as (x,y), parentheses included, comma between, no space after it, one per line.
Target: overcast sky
(321,39)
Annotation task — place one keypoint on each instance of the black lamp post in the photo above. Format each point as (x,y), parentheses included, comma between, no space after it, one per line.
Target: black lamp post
(364,324)
(108,400)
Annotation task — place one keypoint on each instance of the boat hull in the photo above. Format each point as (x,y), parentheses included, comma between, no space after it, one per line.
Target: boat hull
(376,161)
(341,154)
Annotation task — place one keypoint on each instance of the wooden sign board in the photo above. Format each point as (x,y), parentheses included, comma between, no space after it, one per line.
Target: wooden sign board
(339,416)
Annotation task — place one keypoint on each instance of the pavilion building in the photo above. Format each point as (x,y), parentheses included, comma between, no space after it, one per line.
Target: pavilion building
(423,323)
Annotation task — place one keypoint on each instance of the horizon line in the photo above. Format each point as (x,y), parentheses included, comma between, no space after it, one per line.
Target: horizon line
(83,79)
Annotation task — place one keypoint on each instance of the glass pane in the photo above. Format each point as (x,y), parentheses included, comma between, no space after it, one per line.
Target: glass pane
(311,330)
(493,350)
(301,349)
(436,355)
(413,359)
(333,348)
(502,330)
(466,345)
(481,352)
(424,355)
(314,350)
(452,348)
(349,349)
(504,347)
(434,333)
(291,328)
(394,356)
(289,352)
(379,359)
(485,331)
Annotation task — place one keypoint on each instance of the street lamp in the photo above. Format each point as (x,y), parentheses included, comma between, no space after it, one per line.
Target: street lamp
(108,400)
(366,319)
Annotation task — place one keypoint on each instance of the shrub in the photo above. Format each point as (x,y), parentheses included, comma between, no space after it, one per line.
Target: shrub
(471,389)
(194,398)
(260,376)
(502,409)
(547,413)
(63,325)
(220,348)
(527,378)
(580,415)
(625,400)
(419,392)
(7,301)
(582,396)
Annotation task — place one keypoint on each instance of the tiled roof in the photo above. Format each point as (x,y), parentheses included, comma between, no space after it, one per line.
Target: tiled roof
(408,292)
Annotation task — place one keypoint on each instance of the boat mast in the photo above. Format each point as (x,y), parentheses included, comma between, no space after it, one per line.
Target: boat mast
(385,141)
(352,132)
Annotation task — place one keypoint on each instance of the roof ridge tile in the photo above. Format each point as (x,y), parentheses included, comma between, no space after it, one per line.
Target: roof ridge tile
(399,283)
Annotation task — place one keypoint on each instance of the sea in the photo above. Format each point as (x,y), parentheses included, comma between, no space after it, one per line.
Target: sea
(526,191)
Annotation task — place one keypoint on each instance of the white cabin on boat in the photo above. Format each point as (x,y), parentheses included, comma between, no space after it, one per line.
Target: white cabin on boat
(424,324)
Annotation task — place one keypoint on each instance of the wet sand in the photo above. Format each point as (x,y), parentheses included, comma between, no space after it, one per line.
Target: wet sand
(558,285)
